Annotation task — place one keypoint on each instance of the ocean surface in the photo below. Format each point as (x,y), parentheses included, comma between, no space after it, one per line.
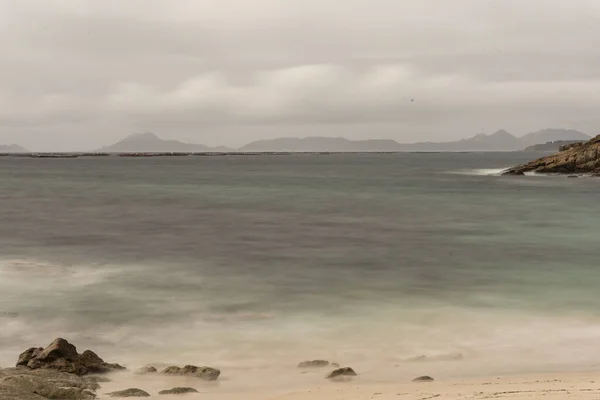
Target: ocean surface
(254,263)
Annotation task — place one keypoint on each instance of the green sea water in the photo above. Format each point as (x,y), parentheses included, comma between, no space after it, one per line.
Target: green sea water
(258,262)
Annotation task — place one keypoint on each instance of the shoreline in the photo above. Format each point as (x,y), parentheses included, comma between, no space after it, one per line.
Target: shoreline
(560,385)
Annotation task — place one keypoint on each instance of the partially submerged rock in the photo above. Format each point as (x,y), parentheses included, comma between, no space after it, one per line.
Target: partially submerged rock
(580,158)
(133,392)
(178,390)
(149,369)
(62,356)
(314,364)
(341,373)
(423,379)
(204,373)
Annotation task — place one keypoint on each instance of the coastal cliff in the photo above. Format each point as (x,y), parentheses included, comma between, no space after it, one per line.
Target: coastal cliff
(575,158)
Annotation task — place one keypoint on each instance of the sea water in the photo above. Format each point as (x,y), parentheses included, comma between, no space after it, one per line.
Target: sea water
(252,264)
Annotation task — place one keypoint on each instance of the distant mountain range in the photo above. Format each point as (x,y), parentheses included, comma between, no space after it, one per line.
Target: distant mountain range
(150,143)
(320,144)
(498,141)
(12,148)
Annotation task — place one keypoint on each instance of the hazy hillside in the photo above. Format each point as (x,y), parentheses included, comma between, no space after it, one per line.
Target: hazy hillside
(497,141)
(553,135)
(12,148)
(150,143)
(318,144)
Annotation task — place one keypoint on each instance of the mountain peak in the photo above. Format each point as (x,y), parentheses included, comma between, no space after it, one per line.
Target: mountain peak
(502,132)
(143,136)
(150,143)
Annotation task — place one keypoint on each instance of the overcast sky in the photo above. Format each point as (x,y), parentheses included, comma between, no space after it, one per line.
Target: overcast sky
(78,74)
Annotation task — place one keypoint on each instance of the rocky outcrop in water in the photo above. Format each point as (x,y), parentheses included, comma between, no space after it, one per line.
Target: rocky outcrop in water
(62,356)
(27,384)
(204,373)
(575,158)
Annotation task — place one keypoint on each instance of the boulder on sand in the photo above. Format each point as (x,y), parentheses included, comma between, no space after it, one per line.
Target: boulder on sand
(314,364)
(133,392)
(204,373)
(341,373)
(423,379)
(62,356)
(178,390)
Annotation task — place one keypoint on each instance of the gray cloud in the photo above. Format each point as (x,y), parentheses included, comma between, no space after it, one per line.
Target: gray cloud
(81,74)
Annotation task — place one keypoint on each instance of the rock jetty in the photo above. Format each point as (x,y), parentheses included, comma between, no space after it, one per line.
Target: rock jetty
(574,158)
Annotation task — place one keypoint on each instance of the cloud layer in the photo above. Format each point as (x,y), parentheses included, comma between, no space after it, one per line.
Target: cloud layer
(80,74)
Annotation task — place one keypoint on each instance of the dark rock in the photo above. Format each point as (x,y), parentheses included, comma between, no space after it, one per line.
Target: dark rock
(149,369)
(129,393)
(334,365)
(512,172)
(179,390)
(341,373)
(314,364)
(28,354)
(423,379)
(62,356)
(60,348)
(205,373)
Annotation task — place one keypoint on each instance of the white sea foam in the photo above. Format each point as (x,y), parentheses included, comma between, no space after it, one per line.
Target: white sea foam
(480,171)
(376,338)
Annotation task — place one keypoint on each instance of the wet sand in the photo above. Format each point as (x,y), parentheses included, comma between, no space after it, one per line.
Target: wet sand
(544,386)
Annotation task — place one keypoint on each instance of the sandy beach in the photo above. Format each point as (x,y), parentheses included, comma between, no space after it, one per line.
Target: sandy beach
(543,386)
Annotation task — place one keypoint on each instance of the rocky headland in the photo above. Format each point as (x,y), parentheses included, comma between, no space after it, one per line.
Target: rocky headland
(574,158)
